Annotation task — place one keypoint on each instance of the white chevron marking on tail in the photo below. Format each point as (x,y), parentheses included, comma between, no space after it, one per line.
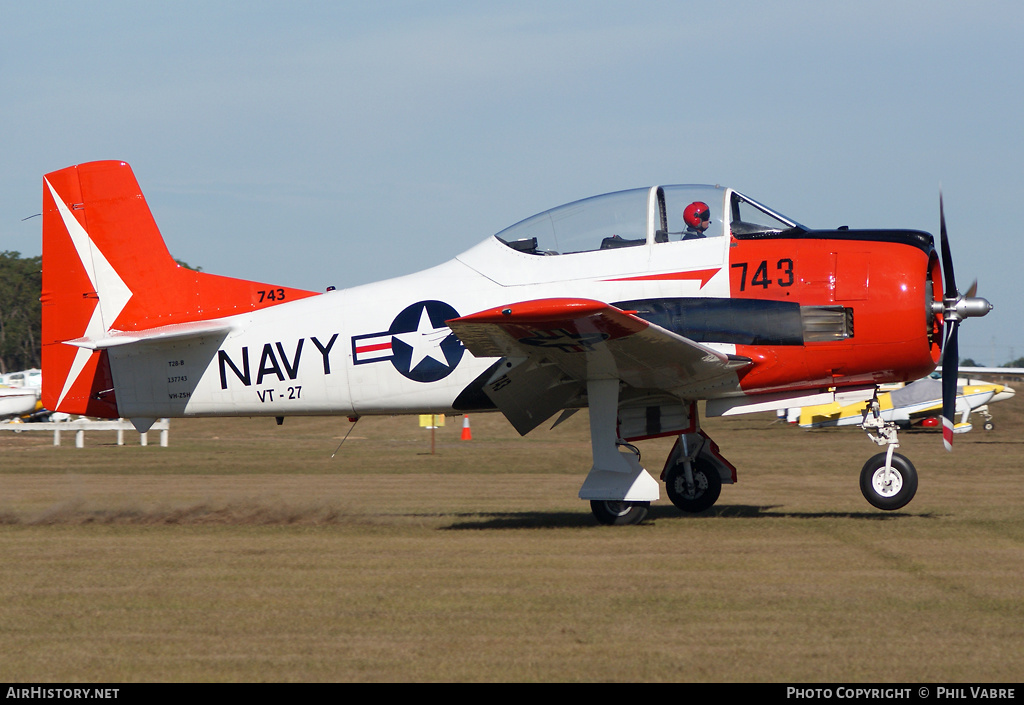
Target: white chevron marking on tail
(111,290)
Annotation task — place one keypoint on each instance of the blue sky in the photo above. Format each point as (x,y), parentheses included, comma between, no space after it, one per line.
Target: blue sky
(316,144)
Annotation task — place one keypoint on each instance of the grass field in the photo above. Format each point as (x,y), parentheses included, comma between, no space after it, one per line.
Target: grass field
(244,552)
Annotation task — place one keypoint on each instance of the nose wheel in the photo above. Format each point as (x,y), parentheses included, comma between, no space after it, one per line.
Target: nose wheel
(888,483)
(888,480)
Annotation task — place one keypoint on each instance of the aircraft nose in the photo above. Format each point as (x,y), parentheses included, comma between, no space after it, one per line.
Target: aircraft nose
(1004,393)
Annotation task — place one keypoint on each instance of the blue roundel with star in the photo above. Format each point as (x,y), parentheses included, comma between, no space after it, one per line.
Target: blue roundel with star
(423,348)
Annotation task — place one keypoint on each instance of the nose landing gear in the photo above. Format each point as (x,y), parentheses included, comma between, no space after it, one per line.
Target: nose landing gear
(888,480)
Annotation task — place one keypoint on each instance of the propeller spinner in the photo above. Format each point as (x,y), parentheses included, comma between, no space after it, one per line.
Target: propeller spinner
(954,308)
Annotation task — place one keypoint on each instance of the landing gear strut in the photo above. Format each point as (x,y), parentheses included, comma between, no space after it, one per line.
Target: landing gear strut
(620,490)
(888,480)
(988,425)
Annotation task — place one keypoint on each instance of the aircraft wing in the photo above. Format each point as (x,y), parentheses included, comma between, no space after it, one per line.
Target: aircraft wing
(559,344)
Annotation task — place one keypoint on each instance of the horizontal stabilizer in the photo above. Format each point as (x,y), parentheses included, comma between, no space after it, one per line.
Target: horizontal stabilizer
(162,334)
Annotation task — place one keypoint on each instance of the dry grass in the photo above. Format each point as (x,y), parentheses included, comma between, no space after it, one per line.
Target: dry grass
(243,552)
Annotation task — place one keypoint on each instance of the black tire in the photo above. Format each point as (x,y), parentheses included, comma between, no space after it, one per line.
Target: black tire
(707,486)
(902,486)
(616,513)
(989,426)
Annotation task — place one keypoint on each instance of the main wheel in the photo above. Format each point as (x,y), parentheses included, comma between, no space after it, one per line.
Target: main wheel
(612,512)
(707,486)
(894,493)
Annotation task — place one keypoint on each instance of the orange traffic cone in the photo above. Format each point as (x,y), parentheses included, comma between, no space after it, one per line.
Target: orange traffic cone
(467,435)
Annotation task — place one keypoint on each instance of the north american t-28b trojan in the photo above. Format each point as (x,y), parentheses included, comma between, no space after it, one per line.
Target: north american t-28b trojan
(636,304)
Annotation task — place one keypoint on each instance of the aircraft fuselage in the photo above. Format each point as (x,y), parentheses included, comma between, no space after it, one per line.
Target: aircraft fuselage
(811,312)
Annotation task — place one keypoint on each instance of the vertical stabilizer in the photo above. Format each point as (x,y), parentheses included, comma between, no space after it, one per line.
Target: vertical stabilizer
(106,268)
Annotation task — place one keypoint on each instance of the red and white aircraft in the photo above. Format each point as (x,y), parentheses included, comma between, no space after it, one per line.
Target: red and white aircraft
(636,304)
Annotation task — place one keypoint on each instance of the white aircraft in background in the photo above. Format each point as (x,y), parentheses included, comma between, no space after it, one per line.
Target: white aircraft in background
(635,304)
(19,393)
(991,371)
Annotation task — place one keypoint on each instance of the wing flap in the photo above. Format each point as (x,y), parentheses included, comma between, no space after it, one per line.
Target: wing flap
(529,392)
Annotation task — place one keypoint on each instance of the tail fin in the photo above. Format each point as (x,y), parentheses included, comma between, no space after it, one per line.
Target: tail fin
(106,268)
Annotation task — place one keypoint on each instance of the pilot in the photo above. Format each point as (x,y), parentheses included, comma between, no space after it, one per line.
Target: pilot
(697,217)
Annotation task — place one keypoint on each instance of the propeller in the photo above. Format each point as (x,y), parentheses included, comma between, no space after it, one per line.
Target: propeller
(954,308)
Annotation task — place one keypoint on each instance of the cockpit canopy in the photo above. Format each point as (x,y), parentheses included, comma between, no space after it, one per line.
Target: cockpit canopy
(641,216)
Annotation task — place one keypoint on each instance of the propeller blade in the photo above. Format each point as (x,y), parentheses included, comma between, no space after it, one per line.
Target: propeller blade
(948,279)
(950,371)
(955,308)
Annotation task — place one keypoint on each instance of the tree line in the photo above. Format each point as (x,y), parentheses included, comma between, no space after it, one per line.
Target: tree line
(21,285)
(968,362)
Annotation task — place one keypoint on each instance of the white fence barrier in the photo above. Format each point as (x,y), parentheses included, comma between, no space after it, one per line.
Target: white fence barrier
(80,426)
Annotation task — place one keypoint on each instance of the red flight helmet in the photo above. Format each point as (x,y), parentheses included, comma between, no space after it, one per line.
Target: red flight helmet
(695,213)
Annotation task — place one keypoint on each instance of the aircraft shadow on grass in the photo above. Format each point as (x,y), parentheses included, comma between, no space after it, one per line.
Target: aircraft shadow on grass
(556,520)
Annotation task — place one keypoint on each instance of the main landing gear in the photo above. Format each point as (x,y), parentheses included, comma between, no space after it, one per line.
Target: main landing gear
(693,476)
(693,473)
(611,512)
(888,480)
(620,490)
(693,481)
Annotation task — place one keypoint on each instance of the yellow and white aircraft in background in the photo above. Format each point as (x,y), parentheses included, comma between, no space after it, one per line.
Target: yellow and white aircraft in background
(919,402)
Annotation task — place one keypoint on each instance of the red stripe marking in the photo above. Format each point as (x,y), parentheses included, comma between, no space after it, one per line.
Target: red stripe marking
(701,275)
